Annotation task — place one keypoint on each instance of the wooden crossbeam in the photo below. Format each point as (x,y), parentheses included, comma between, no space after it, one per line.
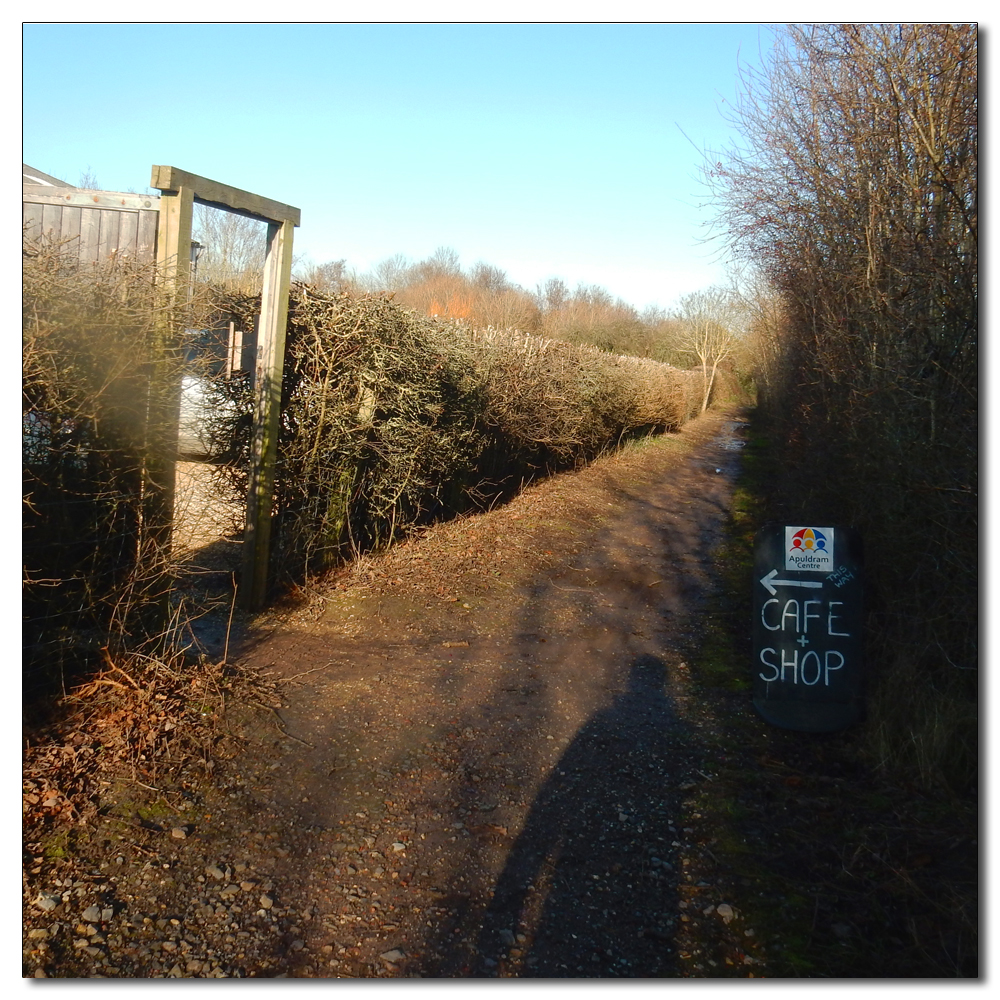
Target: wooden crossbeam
(232,199)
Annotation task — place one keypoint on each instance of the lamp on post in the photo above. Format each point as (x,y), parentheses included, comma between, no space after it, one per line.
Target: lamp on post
(197,249)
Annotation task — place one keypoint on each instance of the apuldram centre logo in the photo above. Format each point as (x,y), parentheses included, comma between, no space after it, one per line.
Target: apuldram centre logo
(809,549)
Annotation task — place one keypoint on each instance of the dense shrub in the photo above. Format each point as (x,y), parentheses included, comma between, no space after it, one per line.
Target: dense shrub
(95,510)
(856,193)
(392,419)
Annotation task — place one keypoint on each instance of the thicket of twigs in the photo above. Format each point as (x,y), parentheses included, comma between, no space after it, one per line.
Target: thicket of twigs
(98,360)
(391,419)
(855,192)
(109,691)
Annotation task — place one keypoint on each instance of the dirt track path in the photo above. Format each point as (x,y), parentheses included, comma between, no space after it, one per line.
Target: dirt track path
(482,764)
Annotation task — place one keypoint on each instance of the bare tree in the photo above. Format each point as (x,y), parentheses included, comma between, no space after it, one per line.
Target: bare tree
(710,322)
(233,251)
(88,180)
(854,190)
(444,262)
(511,308)
(553,295)
(489,277)
(328,277)
(388,275)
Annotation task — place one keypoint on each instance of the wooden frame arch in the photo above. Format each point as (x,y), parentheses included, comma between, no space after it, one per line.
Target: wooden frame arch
(179,191)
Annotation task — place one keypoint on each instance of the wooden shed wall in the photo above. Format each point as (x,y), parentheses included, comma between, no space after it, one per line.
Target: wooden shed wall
(102,222)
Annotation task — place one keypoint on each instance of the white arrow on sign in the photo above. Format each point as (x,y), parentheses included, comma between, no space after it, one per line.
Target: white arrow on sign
(770,583)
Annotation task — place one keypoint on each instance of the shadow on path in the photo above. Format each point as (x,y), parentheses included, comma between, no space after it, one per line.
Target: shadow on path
(589,887)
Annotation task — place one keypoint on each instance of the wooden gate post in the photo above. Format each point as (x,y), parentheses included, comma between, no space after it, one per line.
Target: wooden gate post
(281,220)
(267,411)
(173,268)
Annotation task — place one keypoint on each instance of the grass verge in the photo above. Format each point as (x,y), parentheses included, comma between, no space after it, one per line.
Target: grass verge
(845,872)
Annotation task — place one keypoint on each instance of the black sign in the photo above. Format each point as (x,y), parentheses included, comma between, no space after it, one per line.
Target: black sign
(807,668)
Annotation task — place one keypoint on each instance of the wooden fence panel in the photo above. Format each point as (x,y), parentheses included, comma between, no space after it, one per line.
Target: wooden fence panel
(72,219)
(128,223)
(90,235)
(104,222)
(52,219)
(107,241)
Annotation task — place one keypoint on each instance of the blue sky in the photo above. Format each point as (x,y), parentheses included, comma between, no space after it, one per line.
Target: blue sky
(549,150)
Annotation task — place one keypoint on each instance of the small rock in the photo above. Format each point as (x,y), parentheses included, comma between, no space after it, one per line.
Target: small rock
(179,833)
(92,913)
(725,911)
(47,901)
(507,937)
(397,846)
(392,956)
(247,886)
(298,945)
(40,973)
(215,871)
(38,934)
(266,902)
(229,890)
(107,913)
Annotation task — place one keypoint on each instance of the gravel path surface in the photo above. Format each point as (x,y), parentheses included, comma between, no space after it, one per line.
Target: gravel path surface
(482,763)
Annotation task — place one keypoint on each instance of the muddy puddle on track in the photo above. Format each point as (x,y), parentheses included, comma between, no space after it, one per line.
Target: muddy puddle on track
(495,784)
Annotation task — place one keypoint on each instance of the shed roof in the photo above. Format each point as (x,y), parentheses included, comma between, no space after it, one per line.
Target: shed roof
(29,175)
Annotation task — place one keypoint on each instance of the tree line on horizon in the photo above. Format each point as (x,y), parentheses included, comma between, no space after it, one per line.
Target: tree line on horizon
(707,327)
(231,256)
